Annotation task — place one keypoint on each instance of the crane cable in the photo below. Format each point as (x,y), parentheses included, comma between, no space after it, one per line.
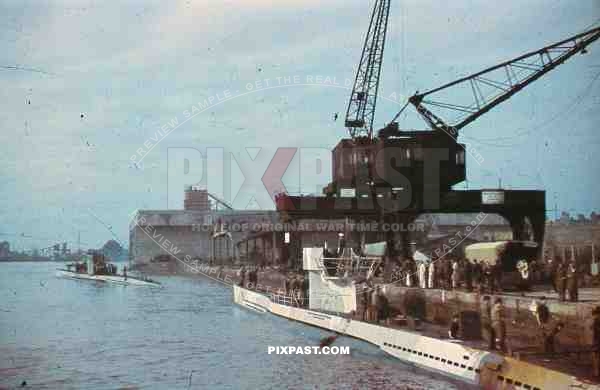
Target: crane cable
(561,113)
(574,103)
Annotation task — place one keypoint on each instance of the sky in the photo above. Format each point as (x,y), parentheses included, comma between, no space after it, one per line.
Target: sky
(87,85)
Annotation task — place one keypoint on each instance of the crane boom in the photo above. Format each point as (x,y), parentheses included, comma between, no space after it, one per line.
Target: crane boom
(516,74)
(361,108)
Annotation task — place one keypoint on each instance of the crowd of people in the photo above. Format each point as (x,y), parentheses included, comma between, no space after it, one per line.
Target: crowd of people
(564,276)
(248,278)
(296,289)
(295,292)
(479,276)
(449,273)
(374,305)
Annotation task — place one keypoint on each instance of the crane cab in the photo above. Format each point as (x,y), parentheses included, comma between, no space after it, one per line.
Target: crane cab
(408,162)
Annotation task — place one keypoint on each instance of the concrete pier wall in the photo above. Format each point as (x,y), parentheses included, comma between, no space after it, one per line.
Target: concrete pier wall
(522,326)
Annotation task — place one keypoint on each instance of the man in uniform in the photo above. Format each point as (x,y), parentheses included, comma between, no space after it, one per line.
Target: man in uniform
(497,277)
(296,287)
(383,307)
(552,267)
(374,305)
(252,277)
(485,278)
(423,275)
(476,271)
(542,313)
(431,275)
(486,322)
(560,280)
(572,281)
(595,324)
(468,275)
(550,338)
(455,274)
(364,301)
(305,290)
(499,325)
(287,285)
(243,275)
(454,327)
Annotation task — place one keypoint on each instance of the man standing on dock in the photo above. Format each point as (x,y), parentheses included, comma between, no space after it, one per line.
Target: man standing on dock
(486,278)
(477,275)
(496,274)
(447,274)
(242,275)
(486,322)
(542,313)
(572,287)
(549,338)
(596,342)
(454,327)
(468,275)
(455,275)
(560,280)
(422,275)
(499,325)
(551,269)
(431,275)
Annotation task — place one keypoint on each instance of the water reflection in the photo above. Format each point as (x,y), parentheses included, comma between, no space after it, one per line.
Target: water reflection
(61,333)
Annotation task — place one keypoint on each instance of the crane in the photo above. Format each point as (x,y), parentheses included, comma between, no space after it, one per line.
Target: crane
(361,107)
(499,82)
(362,165)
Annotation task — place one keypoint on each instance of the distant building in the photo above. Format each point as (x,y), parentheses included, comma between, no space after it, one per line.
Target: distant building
(567,219)
(4,249)
(196,199)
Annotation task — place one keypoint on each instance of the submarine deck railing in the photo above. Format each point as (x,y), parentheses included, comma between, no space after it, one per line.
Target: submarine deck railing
(349,266)
(294,300)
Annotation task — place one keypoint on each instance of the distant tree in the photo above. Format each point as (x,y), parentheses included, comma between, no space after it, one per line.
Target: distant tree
(113,250)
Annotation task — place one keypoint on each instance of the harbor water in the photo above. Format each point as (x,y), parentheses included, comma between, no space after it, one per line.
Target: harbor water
(67,334)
